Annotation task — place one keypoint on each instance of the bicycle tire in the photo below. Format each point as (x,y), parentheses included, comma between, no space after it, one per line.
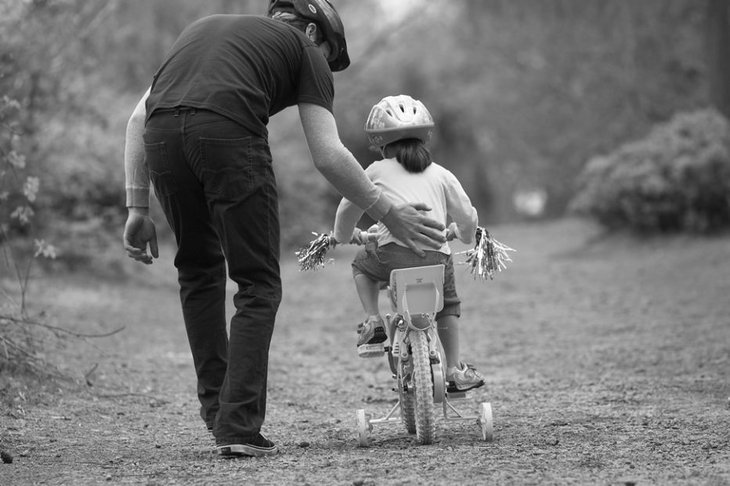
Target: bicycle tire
(422,381)
(406,396)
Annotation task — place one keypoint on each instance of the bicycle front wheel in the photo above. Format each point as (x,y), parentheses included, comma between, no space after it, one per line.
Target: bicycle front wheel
(407,398)
(425,416)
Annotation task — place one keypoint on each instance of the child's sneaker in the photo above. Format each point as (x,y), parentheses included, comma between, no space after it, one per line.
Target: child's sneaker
(462,379)
(371,342)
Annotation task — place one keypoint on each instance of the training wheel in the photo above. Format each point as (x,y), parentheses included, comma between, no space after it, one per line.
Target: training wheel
(485,421)
(363,429)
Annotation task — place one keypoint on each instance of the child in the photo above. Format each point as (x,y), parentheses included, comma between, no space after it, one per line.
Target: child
(400,127)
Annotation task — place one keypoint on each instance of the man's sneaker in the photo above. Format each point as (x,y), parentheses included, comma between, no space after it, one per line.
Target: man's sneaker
(462,379)
(372,337)
(256,447)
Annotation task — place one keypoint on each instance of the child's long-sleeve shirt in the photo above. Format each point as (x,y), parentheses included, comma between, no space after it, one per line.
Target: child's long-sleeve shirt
(436,187)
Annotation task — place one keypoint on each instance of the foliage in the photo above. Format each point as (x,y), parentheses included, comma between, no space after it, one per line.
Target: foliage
(19,342)
(676,179)
(523,92)
(37,40)
(24,89)
(305,198)
(18,193)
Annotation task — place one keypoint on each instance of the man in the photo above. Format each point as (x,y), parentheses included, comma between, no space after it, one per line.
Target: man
(199,133)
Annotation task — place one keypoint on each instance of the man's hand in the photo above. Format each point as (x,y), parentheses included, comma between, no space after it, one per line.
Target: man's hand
(139,231)
(409,225)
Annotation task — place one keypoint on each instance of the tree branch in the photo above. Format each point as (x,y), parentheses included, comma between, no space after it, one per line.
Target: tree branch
(16,320)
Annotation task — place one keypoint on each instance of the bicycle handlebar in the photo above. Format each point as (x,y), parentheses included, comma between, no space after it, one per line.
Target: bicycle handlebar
(365,236)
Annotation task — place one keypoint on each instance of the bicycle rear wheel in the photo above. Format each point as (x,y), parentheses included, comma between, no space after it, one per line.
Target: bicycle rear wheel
(425,416)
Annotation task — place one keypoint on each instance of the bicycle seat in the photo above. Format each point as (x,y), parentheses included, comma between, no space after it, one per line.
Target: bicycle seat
(418,290)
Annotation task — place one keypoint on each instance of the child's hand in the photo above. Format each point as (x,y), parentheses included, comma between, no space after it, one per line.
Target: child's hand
(451,232)
(361,237)
(357,238)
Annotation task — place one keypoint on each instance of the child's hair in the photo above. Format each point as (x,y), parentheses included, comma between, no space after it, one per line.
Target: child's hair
(411,153)
(401,126)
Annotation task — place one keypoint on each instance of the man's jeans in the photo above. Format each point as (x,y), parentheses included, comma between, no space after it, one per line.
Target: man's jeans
(215,183)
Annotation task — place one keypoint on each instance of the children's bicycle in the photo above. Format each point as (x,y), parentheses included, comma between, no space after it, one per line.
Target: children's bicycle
(413,348)
(416,359)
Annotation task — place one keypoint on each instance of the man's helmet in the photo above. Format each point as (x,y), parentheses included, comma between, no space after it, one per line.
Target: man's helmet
(396,118)
(324,14)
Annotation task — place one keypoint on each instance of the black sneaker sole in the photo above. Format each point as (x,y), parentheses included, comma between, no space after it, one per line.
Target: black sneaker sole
(247,450)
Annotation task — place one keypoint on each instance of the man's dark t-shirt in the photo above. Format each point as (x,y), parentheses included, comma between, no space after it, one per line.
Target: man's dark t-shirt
(244,67)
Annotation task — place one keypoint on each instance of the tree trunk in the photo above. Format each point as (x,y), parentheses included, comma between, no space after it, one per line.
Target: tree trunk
(718,49)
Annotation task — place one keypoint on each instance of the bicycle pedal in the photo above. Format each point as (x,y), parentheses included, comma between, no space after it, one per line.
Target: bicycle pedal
(371,350)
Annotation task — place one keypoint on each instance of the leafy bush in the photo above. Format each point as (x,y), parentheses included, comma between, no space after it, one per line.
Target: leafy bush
(676,179)
(19,189)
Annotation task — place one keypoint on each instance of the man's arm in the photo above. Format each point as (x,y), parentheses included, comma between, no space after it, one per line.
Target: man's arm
(341,169)
(136,174)
(337,164)
(139,230)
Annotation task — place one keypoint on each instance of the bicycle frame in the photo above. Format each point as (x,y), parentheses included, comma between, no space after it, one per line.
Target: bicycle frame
(416,358)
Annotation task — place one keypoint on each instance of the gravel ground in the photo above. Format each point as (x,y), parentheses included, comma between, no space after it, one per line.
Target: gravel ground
(606,360)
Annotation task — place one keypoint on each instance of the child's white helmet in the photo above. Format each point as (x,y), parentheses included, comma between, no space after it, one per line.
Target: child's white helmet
(397,118)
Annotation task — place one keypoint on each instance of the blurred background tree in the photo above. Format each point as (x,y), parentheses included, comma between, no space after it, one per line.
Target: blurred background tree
(718,54)
(524,93)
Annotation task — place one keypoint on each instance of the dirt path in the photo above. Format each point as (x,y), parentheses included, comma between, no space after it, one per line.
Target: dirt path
(607,363)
